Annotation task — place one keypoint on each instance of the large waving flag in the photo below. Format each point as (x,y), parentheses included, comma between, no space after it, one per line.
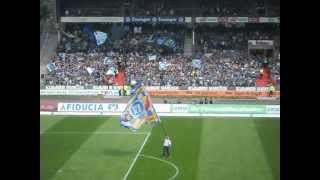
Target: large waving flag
(139,111)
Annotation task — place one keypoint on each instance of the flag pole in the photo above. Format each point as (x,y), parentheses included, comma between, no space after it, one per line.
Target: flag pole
(164,130)
(161,124)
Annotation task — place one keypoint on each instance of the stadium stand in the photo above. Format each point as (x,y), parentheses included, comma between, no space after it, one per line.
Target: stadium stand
(154,53)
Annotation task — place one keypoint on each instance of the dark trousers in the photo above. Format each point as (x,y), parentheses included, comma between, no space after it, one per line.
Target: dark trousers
(166,151)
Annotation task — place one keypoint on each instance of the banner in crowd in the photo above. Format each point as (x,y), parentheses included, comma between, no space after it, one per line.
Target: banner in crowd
(139,111)
(101,37)
(148,19)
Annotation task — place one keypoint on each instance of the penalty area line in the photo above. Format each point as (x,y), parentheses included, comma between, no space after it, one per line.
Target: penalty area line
(135,158)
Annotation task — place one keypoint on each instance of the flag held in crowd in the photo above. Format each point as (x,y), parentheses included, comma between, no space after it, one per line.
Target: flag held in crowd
(90,70)
(101,37)
(152,57)
(163,65)
(139,111)
(197,63)
(51,67)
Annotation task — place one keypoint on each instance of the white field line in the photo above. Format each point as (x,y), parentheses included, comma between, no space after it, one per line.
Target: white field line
(135,159)
(95,132)
(167,162)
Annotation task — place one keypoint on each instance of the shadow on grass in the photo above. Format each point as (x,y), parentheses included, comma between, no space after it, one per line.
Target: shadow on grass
(56,149)
(269,133)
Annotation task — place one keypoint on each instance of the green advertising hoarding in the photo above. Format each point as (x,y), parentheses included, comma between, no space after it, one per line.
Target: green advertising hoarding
(218,108)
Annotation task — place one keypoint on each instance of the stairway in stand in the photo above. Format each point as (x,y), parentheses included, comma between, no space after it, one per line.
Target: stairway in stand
(188,47)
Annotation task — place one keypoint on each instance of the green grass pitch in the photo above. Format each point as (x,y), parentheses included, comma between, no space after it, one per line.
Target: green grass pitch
(97,148)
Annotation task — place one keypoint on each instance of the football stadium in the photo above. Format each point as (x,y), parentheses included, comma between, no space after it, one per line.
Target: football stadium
(159,90)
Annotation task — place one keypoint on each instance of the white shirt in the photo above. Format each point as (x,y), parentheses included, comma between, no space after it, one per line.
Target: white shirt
(167,142)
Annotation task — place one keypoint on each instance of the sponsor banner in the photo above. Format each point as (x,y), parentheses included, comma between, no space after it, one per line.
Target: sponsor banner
(274,20)
(218,108)
(150,88)
(253,20)
(165,108)
(140,19)
(273,109)
(148,19)
(46,113)
(198,88)
(92,19)
(269,20)
(260,89)
(222,19)
(191,109)
(64,87)
(171,19)
(237,19)
(218,88)
(87,92)
(260,42)
(161,114)
(221,108)
(48,107)
(188,19)
(91,107)
(171,91)
(107,87)
(206,19)
(179,108)
(199,93)
(245,88)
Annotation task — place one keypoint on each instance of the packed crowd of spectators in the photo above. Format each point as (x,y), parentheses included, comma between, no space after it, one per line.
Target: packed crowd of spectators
(225,60)
(222,68)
